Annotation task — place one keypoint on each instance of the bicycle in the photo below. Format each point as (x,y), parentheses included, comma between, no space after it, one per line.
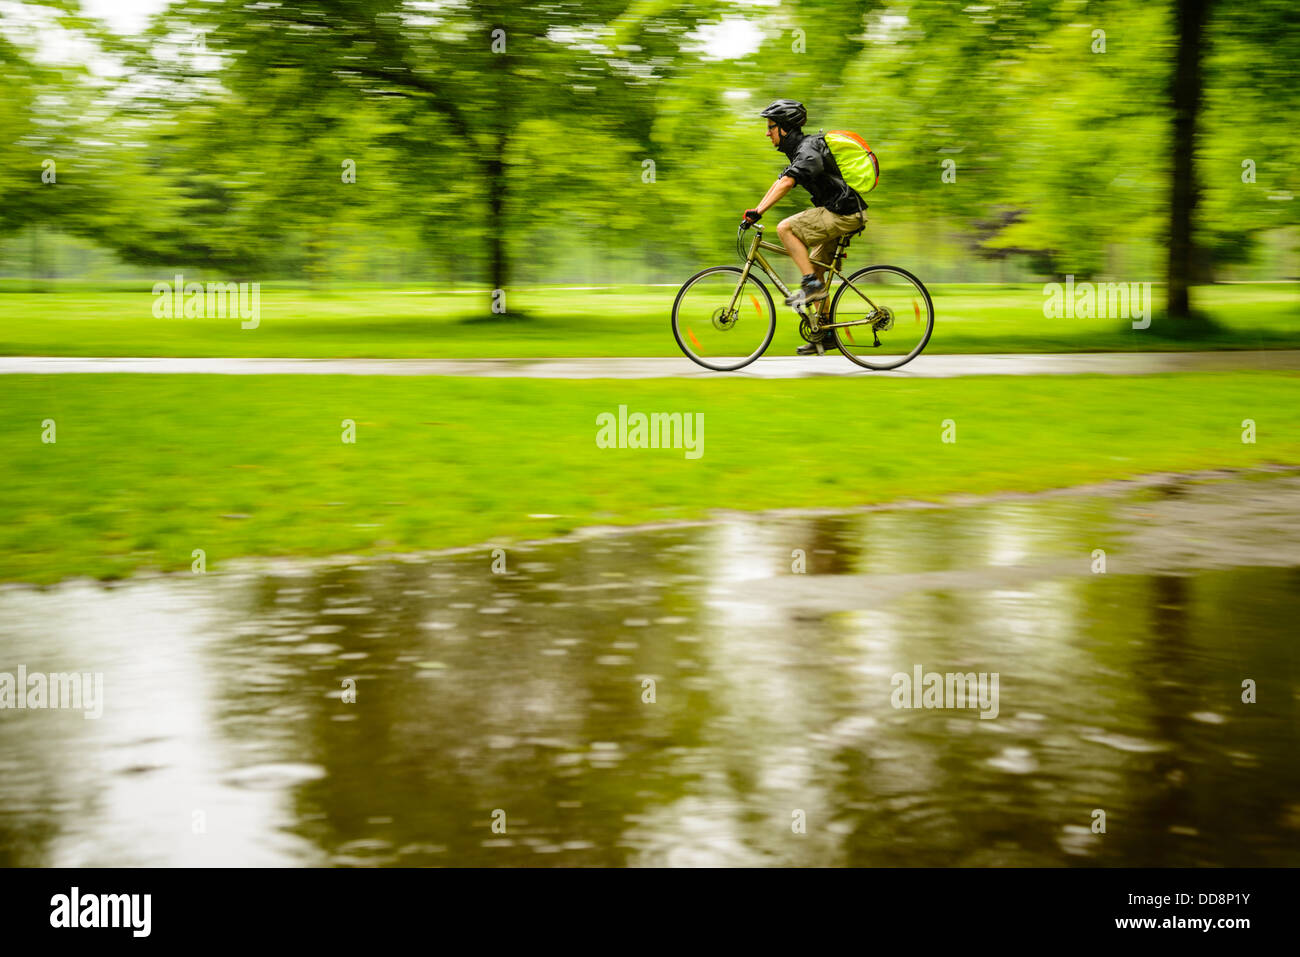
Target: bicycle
(709,311)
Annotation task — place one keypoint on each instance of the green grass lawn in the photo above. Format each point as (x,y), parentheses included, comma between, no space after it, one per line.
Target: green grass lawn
(146,469)
(117,320)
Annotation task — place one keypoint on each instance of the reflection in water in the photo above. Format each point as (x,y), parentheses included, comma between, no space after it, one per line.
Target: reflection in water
(226,737)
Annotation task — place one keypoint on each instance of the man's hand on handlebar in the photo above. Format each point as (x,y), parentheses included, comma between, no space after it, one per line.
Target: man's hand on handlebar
(751,217)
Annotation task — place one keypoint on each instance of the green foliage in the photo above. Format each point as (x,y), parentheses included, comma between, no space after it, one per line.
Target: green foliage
(608,141)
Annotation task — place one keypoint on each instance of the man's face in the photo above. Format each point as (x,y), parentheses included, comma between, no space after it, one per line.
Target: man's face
(774,133)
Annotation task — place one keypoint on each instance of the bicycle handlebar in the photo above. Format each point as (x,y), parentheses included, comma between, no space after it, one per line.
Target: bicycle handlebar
(744,225)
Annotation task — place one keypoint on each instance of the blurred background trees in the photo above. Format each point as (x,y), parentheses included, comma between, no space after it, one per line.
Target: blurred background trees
(468,141)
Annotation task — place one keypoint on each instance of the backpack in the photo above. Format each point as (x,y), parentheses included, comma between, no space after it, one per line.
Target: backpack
(858,164)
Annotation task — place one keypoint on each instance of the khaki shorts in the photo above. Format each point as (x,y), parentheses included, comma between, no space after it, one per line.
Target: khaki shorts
(820,230)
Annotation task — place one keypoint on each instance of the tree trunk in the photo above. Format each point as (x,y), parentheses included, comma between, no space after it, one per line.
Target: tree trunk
(496,167)
(496,184)
(1189,18)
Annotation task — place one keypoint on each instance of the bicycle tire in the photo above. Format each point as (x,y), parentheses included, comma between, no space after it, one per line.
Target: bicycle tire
(771,312)
(894,363)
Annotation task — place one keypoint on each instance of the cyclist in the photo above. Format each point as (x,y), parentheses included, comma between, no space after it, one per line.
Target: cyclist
(837,208)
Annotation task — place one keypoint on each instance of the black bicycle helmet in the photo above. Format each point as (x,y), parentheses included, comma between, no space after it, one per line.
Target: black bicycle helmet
(787,114)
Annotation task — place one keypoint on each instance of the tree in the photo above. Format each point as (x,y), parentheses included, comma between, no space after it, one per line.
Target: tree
(1186,86)
(483,69)
(40,110)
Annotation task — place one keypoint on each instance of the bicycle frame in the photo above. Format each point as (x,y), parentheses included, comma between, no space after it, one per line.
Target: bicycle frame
(756,256)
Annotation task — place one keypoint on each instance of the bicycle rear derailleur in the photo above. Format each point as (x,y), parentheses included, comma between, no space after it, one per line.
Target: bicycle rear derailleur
(882,320)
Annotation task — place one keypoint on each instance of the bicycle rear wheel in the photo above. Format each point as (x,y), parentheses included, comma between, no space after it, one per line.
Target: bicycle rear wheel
(719,329)
(891,317)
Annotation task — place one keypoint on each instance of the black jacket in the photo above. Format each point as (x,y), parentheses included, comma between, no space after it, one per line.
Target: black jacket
(814,168)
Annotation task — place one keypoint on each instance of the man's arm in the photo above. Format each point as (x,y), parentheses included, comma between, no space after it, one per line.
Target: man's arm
(774,194)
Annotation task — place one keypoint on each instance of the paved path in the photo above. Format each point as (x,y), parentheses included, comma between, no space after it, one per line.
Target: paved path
(774,367)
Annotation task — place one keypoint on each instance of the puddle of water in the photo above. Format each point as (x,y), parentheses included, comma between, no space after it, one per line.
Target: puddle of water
(228,737)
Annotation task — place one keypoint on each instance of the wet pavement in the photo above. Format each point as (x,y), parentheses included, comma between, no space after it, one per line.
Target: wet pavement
(724,694)
(768,367)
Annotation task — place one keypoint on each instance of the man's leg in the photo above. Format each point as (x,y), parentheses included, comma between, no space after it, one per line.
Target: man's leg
(824,253)
(837,227)
(798,233)
(822,230)
(795,246)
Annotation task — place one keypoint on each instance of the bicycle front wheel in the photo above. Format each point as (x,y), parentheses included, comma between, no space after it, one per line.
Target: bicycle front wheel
(722,323)
(883,317)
